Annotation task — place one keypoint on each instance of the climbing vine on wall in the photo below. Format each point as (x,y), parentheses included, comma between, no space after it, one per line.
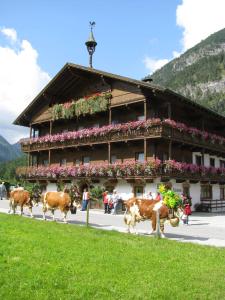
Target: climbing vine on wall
(84,106)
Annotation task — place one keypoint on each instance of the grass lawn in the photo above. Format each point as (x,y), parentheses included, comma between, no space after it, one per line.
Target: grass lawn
(47,260)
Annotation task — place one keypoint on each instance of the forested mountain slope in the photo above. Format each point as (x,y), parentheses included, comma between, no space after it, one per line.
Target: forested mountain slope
(199,73)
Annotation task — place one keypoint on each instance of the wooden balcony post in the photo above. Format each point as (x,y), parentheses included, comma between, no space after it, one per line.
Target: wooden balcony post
(145,149)
(30,131)
(110,116)
(28,156)
(203,156)
(49,157)
(170,150)
(109,153)
(145,110)
(169,110)
(50,128)
(28,159)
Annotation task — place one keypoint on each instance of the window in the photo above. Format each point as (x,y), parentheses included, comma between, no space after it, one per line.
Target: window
(45,162)
(34,160)
(138,191)
(62,162)
(141,118)
(114,122)
(212,162)
(35,133)
(186,190)
(139,156)
(222,193)
(113,159)
(77,162)
(86,160)
(222,163)
(198,160)
(206,192)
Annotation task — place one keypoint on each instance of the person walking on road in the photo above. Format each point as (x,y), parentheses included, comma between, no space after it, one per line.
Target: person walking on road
(106,202)
(115,201)
(3,192)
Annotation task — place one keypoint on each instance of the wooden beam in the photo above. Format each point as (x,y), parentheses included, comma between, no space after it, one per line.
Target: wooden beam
(50,127)
(109,153)
(110,116)
(203,156)
(145,110)
(49,157)
(170,149)
(169,110)
(145,149)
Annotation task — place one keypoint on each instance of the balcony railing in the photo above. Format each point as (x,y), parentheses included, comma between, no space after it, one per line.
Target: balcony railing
(151,128)
(130,169)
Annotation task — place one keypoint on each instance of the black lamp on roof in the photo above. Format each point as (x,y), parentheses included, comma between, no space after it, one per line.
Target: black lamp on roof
(91,44)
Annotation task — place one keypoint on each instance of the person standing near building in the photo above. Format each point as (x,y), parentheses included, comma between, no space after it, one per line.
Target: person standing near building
(115,201)
(106,201)
(149,196)
(3,192)
(187,209)
(85,200)
(158,197)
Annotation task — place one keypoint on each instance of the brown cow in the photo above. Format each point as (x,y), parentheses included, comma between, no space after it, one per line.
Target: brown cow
(56,200)
(21,198)
(141,210)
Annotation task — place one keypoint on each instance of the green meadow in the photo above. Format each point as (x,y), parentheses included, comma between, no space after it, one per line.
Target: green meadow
(48,260)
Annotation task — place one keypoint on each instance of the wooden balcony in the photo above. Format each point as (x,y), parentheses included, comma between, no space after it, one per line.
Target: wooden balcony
(111,172)
(155,131)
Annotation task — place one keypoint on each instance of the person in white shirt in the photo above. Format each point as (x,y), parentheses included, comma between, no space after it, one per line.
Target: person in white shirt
(85,200)
(150,196)
(115,201)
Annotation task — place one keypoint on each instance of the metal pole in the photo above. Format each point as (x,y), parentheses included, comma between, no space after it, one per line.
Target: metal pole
(87,215)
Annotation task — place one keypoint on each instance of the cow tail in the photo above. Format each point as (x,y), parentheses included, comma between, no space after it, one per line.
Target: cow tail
(125,216)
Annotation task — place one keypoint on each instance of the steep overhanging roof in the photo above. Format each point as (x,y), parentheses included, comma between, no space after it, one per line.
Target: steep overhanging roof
(71,75)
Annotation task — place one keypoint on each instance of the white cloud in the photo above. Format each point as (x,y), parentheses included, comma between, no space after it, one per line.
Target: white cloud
(10,33)
(199,19)
(21,78)
(154,64)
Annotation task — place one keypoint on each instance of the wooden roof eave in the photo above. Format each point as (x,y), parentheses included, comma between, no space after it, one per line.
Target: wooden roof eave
(58,82)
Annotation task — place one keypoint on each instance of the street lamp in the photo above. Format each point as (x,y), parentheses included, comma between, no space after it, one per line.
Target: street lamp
(91,44)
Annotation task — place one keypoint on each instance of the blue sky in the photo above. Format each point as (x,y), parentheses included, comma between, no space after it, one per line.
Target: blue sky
(126,31)
(135,37)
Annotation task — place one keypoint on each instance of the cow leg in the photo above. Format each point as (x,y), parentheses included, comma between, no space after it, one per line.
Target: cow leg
(162,221)
(10,206)
(53,214)
(21,210)
(153,222)
(64,216)
(31,214)
(44,209)
(14,208)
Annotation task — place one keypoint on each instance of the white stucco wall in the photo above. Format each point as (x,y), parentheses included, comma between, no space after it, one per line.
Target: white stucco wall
(51,187)
(195,191)
(124,189)
(216,191)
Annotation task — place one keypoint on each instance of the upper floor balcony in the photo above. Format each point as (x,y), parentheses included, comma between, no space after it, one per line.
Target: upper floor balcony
(151,128)
(130,169)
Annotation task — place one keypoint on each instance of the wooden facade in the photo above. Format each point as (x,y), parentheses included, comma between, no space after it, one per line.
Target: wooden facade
(131,100)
